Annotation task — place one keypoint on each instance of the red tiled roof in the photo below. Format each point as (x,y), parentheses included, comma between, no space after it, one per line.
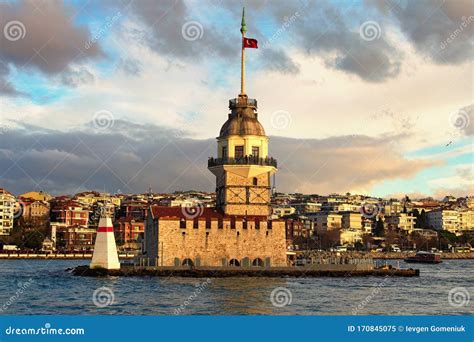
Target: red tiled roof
(180,212)
(67,204)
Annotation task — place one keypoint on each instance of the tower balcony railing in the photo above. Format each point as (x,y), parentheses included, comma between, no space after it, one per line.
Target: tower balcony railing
(242,102)
(247,160)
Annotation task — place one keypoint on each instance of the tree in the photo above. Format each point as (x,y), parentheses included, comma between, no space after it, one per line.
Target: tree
(447,239)
(359,246)
(420,221)
(379,229)
(330,238)
(33,239)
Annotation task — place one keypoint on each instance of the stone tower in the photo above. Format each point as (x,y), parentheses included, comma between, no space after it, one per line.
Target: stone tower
(243,166)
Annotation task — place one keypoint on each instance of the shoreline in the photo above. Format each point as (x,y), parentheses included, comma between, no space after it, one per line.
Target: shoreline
(59,256)
(128,256)
(388,255)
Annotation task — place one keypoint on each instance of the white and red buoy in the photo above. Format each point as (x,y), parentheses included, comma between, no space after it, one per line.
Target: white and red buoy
(105,250)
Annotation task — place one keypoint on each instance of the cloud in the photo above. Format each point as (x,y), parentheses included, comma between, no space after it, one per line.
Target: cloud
(43,36)
(442,30)
(131,157)
(6,87)
(278,60)
(171,30)
(76,78)
(339,164)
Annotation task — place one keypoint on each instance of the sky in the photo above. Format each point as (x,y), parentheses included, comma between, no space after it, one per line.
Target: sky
(368,97)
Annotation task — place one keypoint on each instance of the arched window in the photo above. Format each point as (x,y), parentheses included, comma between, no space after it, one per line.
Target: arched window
(255,181)
(234,262)
(257,262)
(188,262)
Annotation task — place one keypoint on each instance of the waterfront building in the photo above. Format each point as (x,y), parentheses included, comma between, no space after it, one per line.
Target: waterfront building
(37,196)
(350,236)
(340,206)
(179,201)
(306,207)
(74,238)
(35,209)
(91,197)
(442,219)
(69,223)
(48,245)
(466,220)
(134,207)
(326,221)
(400,221)
(128,230)
(427,205)
(238,231)
(392,208)
(282,210)
(351,220)
(7,211)
(298,232)
(69,213)
(367,225)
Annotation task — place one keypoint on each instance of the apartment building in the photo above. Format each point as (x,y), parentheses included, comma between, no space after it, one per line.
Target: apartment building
(400,221)
(7,211)
(442,219)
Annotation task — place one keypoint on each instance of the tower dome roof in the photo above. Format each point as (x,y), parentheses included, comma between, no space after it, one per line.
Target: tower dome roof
(242,126)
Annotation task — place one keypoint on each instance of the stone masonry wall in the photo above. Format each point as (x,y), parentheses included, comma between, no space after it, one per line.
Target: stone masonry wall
(213,245)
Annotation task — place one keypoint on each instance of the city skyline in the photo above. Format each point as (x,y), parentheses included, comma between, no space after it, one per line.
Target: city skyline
(125,106)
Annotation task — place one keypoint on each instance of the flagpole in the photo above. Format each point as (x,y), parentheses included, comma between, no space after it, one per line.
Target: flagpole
(243,29)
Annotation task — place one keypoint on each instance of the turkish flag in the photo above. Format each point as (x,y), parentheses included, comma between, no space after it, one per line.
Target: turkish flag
(250,43)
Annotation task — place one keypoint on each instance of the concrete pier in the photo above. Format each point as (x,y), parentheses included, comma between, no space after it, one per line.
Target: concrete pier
(224,272)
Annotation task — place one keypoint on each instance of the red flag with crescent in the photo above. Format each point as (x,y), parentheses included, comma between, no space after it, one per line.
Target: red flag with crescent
(250,43)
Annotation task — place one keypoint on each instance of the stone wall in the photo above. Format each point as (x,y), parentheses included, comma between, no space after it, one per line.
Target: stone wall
(236,195)
(218,246)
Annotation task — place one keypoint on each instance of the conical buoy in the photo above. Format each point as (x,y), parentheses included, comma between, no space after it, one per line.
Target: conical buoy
(105,250)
